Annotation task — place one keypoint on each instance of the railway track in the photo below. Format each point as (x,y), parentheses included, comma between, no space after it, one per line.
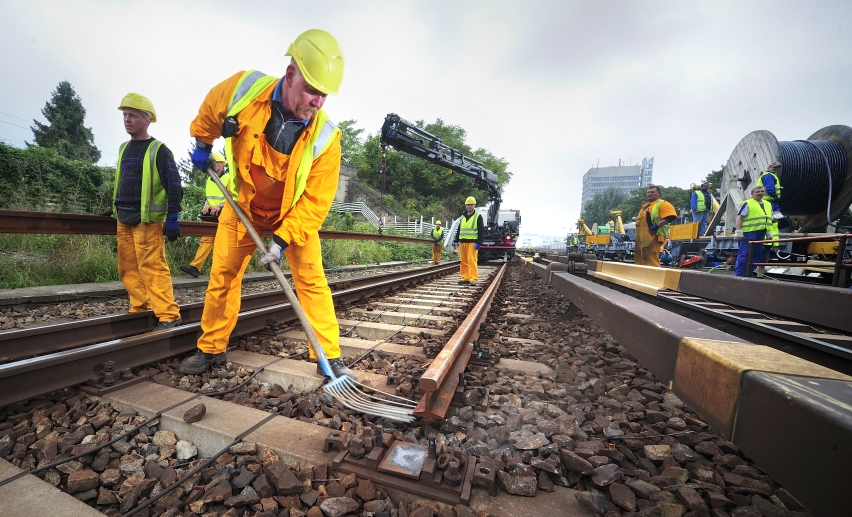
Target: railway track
(556,369)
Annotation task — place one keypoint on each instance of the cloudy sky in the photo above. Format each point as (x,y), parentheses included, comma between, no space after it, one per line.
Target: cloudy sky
(552,87)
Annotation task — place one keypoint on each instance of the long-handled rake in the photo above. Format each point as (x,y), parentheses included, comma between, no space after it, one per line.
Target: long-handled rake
(347,390)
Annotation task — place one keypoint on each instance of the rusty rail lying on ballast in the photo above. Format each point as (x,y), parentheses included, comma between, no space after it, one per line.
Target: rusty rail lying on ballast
(441,379)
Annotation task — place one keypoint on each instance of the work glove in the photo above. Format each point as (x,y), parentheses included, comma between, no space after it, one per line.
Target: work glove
(476,245)
(653,229)
(171,227)
(769,236)
(738,235)
(777,216)
(274,254)
(201,155)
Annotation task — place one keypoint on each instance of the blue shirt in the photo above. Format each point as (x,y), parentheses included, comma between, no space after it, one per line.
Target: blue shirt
(276,96)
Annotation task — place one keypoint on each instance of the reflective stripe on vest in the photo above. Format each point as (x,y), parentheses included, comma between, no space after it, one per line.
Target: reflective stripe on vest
(700,201)
(213,194)
(759,216)
(249,87)
(469,228)
(155,199)
(655,218)
(437,233)
(768,196)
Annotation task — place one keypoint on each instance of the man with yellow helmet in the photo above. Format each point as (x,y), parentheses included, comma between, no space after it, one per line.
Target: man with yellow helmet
(212,206)
(469,239)
(437,236)
(146,202)
(284,153)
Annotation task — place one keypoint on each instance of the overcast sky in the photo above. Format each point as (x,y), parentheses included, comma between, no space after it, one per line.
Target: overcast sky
(552,87)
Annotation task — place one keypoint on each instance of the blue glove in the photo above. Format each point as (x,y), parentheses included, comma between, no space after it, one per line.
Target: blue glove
(201,155)
(652,228)
(171,227)
(274,254)
(476,245)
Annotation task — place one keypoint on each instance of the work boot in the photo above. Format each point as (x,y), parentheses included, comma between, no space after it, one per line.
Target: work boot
(338,368)
(190,270)
(164,325)
(200,361)
(463,282)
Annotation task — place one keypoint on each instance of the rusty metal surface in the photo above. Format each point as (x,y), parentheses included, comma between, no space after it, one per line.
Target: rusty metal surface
(16,221)
(800,431)
(803,302)
(25,379)
(404,459)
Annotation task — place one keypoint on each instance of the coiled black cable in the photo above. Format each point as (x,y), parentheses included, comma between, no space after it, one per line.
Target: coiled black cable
(812,174)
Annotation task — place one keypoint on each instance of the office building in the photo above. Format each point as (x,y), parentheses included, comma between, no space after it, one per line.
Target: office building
(625,178)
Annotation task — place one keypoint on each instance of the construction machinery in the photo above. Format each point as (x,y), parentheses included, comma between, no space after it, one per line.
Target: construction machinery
(501,232)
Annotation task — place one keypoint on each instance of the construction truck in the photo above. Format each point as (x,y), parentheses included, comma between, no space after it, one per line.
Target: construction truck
(501,227)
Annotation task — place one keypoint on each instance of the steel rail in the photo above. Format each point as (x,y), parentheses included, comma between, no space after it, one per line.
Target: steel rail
(23,222)
(440,380)
(17,344)
(28,378)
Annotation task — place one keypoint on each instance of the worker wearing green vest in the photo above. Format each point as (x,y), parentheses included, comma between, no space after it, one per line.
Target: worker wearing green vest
(469,239)
(652,227)
(212,206)
(754,223)
(284,153)
(438,238)
(147,199)
(701,203)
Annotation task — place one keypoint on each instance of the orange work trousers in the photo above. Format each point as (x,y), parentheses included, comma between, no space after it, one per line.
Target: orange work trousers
(469,257)
(144,271)
(232,252)
(436,252)
(205,246)
(648,247)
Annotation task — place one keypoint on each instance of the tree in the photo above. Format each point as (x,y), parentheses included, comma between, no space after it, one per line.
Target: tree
(65,131)
(715,178)
(596,210)
(351,143)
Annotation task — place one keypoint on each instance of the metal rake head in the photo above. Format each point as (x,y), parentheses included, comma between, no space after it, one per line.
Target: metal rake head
(352,394)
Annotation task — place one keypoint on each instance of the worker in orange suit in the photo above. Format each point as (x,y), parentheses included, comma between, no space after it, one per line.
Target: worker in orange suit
(437,235)
(469,239)
(284,153)
(147,197)
(652,227)
(214,200)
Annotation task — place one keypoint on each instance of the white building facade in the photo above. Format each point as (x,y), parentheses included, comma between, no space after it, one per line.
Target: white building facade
(625,178)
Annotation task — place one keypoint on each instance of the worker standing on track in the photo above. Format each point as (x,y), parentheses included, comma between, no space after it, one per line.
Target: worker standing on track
(284,153)
(437,236)
(212,206)
(652,227)
(146,202)
(754,223)
(701,202)
(469,239)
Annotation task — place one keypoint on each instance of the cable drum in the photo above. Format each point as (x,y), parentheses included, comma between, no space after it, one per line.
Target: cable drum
(812,173)
(816,183)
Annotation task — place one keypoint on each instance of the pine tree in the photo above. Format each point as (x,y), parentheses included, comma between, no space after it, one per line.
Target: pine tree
(65,131)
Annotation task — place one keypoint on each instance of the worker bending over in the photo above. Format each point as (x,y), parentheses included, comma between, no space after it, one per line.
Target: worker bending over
(652,227)
(437,236)
(284,153)
(212,206)
(469,239)
(754,223)
(146,202)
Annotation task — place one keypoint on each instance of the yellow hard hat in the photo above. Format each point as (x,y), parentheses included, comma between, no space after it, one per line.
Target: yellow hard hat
(437,222)
(138,102)
(218,157)
(320,59)
(470,200)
